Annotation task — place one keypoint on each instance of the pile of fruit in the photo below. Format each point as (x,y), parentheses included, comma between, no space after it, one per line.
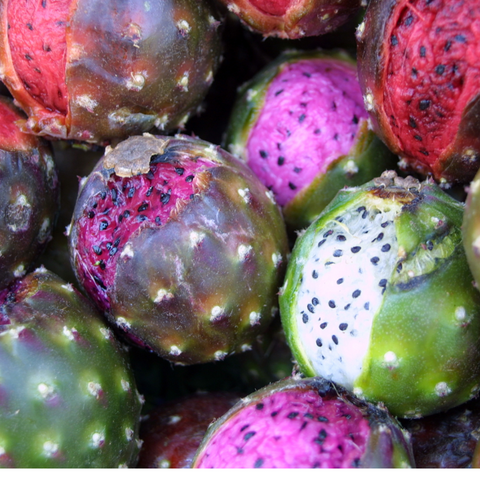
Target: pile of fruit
(239,234)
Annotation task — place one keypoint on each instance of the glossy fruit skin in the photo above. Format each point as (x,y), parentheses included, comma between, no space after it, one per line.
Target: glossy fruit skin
(430,312)
(367,158)
(300,19)
(459,161)
(387,444)
(162,57)
(68,395)
(29,197)
(203,284)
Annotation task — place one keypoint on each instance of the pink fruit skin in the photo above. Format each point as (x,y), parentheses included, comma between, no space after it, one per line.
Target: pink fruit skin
(309,118)
(290,429)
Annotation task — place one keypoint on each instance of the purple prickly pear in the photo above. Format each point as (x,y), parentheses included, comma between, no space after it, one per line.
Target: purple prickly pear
(29,195)
(300,124)
(67,394)
(378,297)
(180,245)
(97,70)
(304,423)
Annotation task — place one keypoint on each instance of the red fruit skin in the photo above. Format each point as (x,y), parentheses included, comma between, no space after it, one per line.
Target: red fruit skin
(126,68)
(293,19)
(460,156)
(172,432)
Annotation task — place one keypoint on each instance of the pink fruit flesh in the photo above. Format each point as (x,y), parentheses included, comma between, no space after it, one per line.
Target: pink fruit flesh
(289,430)
(272,7)
(37,40)
(432,71)
(310,118)
(111,217)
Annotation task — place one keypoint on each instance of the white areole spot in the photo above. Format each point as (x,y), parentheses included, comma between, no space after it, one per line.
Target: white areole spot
(350,167)
(220,355)
(86,102)
(107,333)
(136,82)
(2,450)
(460,313)
(45,391)
(183,82)
(246,347)
(277,259)
(216,312)
(245,194)
(163,294)
(174,350)
(98,440)
(442,389)
(390,360)
(243,251)
(125,385)
(184,26)
(196,238)
(19,271)
(271,196)
(162,121)
(70,334)
(232,7)
(173,419)
(164,463)
(254,318)
(129,434)
(68,287)
(122,322)
(50,448)
(95,389)
(368,101)
(127,251)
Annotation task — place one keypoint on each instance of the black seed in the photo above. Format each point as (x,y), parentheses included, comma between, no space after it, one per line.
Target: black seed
(99,282)
(335,339)
(460,38)
(308,415)
(418,137)
(374,260)
(334,106)
(158,221)
(317,131)
(367,306)
(327,234)
(355,119)
(297,169)
(114,195)
(301,118)
(248,436)
(379,237)
(149,191)
(142,207)
(91,214)
(97,249)
(274,414)
(190,178)
(355,249)
(292,415)
(28,57)
(101,264)
(113,251)
(414,75)
(329,263)
(292,186)
(315,274)
(321,242)
(103,225)
(343,326)
(179,170)
(165,197)
(331,304)
(408,20)
(429,245)
(263,153)
(281,161)
(310,308)
(336,136)
(356,293)
(245,427)
(239,450)
(424,104)
(142,218)
(319,342)
(323,325)
(382,282)
(386,247)
(322,419)
(337,253)
(347,306)
(394,41)
(131,192)
(305,318)
(412,122)
(339,281)
(423,51)
(315,301)
(356,463)
(447,45)
(439,69)
(306,74)
(399,267)
(126,213)
(259,406)
(258,463)
(341,238)
(278,92)
(108,245)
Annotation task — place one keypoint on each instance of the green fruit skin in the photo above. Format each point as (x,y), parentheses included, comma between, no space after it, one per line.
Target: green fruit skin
(67,394)
(471,228)
(367,158)
(431,321)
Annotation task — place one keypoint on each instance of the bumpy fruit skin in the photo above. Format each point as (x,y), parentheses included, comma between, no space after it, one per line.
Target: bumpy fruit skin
(173,431)
(97,70)
(67,394)
(300,124)
(415,344)
(29,195)
(417,69)
(304,423)
(186,258)
(293,20)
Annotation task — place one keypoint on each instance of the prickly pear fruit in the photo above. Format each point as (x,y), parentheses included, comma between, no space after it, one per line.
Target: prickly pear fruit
(29,196)
(293,19)
(97,70)
(378,297)
(300,124)
(67,393)
(304,423)
(417,69)
(186,258)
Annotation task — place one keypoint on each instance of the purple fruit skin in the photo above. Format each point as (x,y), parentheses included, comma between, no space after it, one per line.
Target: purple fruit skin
(304,423)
